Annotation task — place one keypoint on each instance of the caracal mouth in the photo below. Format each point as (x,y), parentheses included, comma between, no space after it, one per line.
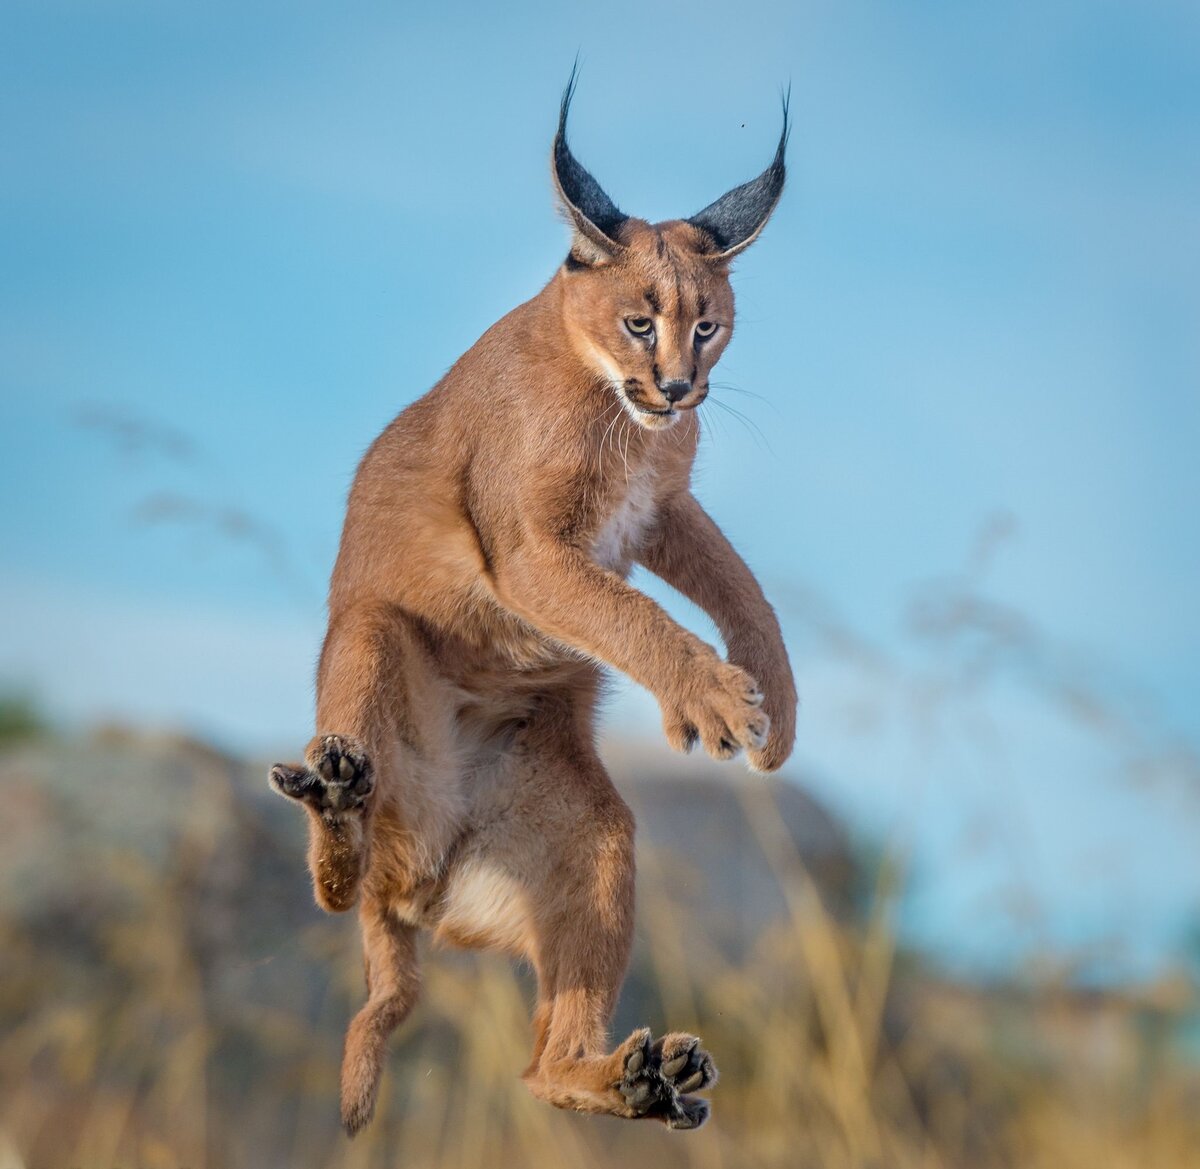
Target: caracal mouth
(650,419)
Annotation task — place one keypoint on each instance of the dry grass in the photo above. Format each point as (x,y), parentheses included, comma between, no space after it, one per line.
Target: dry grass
(138,1031)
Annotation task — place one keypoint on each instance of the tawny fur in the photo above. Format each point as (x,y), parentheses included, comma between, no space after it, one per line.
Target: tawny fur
(480,589)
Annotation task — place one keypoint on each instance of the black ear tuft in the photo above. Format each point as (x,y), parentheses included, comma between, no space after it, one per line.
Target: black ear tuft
(736,218)
(591,210)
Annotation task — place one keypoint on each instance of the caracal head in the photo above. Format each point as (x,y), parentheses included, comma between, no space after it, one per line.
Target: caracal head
(649,307)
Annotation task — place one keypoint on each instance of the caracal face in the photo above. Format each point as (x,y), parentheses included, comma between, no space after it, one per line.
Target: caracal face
(653,320)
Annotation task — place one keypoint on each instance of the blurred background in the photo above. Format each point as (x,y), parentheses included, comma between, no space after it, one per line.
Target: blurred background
(956,437)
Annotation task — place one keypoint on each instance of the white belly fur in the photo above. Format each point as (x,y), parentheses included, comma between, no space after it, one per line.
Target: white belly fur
(486,905)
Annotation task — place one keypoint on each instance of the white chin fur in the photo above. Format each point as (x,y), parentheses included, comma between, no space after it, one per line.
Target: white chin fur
(657,421)
(646,419)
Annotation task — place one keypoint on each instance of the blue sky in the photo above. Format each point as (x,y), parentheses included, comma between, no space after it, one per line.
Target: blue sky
(236,239)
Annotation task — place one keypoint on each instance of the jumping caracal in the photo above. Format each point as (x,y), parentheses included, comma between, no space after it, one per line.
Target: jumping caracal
(480,590)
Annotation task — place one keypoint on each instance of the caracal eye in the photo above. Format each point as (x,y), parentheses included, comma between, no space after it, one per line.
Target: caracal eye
(706,329)
(639,326)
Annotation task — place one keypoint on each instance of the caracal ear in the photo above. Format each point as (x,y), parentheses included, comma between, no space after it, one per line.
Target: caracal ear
(735,220)
(594,216)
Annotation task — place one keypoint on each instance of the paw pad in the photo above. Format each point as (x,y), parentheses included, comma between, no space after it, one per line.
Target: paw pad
(337,781)
(658,1076)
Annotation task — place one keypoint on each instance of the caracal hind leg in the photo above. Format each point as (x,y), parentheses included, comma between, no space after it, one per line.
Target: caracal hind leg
(335,785)
(380,710)
(393,982)
(574,1068)
(583,899)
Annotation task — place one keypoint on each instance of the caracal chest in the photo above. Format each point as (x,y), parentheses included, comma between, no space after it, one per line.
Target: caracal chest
(626,520)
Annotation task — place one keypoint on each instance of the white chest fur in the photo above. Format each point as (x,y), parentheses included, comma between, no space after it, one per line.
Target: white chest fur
(621,533)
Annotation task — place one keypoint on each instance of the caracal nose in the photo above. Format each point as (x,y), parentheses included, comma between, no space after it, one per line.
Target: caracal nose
(675,391)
